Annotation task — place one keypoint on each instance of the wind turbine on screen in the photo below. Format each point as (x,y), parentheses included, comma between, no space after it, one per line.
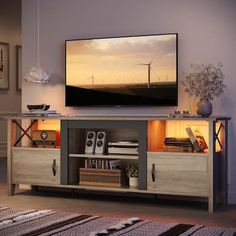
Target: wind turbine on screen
(149,67)
(149,72)
(92,79)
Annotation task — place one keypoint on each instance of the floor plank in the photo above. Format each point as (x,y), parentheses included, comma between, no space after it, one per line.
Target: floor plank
(128,206)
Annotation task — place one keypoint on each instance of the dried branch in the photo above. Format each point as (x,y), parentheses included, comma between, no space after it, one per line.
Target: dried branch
(206,81)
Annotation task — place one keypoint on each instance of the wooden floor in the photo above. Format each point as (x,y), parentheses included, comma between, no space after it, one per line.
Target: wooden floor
(123,206)
(110,205)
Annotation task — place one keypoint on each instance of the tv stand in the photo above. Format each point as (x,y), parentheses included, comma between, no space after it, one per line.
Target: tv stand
(165,172)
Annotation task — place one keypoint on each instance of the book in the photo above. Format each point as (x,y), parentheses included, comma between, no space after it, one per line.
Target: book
(198,141)
(169,148)
(123,144)
(173,141)
(41,113)
(126,151)
(115,164)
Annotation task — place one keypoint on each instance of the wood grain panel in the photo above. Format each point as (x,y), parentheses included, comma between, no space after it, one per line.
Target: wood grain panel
(34,165)
(156,135)
(178,175)
(179,161)
(101,177)
(11,138)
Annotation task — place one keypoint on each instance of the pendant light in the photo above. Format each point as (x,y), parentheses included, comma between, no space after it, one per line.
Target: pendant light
(36,74)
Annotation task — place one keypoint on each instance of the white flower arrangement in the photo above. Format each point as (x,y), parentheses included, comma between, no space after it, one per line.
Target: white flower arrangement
(205,82)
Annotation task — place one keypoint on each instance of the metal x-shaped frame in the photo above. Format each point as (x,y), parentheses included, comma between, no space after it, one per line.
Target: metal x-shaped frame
(217,135)
(25,131)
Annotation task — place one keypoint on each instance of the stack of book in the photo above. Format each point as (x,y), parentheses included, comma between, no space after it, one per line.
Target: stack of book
(173,144)
(103,164)
(123,147)
(41,113)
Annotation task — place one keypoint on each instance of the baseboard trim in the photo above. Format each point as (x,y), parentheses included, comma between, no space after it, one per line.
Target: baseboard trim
(232,198)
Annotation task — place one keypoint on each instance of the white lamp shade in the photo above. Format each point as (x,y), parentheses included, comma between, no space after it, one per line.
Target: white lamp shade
(37,75)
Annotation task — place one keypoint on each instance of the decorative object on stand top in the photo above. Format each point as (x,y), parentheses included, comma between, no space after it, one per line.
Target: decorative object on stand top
(204,82)
(36,74)
(184,114)
(38,107)
(40,110)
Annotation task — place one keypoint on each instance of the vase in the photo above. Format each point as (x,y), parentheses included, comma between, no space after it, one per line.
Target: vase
(133,181)
(204,108)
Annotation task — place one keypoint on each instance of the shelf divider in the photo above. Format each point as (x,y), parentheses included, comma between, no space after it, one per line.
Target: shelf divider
(98,156)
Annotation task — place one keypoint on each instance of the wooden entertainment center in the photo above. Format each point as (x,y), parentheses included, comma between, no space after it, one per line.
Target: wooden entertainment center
(161,172)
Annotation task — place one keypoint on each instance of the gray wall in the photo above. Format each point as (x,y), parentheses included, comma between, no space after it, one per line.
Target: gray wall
(10,32)
(207,34)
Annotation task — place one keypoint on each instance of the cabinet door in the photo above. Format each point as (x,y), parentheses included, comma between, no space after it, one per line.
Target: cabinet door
(178,173)
(36,166)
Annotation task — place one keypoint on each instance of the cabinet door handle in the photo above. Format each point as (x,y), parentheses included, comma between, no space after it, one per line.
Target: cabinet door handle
(54,167)
(153,173)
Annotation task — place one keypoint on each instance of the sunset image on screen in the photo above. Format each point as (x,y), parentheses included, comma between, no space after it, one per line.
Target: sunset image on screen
(123,65)
(144,61)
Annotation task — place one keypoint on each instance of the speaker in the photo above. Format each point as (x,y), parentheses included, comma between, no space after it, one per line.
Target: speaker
(90,142)
(44,138)
(100,143)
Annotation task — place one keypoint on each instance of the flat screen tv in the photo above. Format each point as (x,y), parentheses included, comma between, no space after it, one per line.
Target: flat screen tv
(122,71)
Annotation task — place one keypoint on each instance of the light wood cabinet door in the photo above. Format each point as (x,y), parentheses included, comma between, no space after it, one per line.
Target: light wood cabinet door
(36,166)
(178,173)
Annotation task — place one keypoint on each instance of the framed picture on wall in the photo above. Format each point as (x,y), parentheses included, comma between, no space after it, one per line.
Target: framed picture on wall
(4,66)
(18,68)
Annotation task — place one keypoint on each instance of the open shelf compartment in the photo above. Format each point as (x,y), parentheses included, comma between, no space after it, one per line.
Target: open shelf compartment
(158,130)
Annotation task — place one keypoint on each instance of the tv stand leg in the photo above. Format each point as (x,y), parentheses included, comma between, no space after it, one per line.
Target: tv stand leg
(210,204)
(35,188)
(72,192)
(11,189)
(155,198)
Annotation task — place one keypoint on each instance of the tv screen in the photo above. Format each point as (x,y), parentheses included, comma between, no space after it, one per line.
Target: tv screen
(122,71)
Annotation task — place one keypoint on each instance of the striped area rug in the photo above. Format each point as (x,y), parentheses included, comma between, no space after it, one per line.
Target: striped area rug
(47,222)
